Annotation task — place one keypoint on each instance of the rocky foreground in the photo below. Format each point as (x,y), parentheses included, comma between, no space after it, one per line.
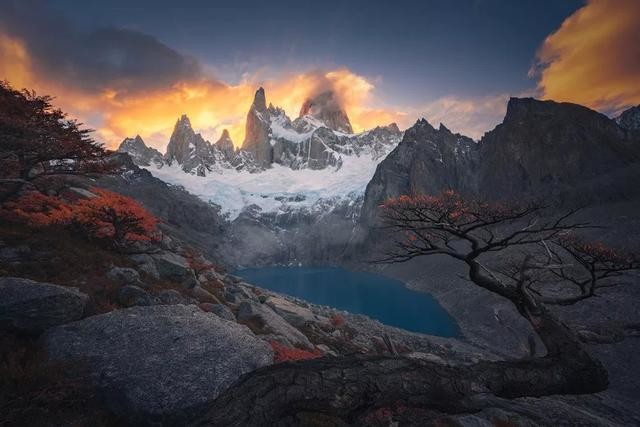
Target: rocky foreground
(163,356)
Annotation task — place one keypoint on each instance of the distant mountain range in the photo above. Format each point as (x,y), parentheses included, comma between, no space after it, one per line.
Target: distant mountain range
(308,190)
(544,149)
(319,138)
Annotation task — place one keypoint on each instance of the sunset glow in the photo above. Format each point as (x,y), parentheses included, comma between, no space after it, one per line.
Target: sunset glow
(578,62)
(594,57)
(210,104)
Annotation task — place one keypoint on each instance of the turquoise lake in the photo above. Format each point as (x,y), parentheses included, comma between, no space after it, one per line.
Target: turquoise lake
(374,295)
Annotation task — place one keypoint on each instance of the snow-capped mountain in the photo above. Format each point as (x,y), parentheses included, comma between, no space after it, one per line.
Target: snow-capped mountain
(140,153)
(305,166)
(320,138)
(195,155)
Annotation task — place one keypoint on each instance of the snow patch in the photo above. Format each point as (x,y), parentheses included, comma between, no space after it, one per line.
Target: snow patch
(278,188)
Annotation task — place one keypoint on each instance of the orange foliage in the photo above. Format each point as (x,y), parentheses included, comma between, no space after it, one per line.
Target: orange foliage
(107,216)
(286,354)
(37,210)
(114,216)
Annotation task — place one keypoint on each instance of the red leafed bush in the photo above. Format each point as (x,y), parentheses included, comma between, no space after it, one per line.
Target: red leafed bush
(37,210)
(108,215)
(286,354)
(338,320)
(114,216)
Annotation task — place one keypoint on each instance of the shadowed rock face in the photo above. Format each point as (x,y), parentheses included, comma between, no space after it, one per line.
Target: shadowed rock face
(426,161)
(630,119)
(258,123)
(549,146)
(326,108)
(189,149)
(139,152)
(542,147)
(32,307)
(159,364)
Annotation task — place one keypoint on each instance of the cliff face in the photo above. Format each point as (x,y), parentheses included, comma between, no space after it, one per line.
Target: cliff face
(548,146)
(426,161)
(257,132)
(542,148)
(630,119)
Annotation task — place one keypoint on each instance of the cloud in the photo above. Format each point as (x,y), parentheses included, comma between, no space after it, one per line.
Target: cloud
(593,59)
(116,111)
(107,58)
(470,116)
(122,83)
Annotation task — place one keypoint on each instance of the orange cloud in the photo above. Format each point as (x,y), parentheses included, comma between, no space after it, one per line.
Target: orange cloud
(594,57)
(210,104)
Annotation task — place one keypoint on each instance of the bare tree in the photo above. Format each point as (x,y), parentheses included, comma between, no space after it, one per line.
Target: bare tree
(547,264)
(543,251)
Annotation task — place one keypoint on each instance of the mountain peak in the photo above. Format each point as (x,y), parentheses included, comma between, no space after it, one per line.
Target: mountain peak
(423,123)
(183,121)
(139,152)
(225,144)
(260,100)
(326,108)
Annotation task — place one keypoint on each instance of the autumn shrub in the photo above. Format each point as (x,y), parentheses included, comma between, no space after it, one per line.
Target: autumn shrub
(116,218)
(283,353)
(37,210)
(109,216)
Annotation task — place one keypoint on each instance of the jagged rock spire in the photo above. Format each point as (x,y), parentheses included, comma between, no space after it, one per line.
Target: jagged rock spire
(257,131)
(259,100)
(225,144)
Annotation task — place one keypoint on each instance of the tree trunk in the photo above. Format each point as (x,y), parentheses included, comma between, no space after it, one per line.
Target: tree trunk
(345,389)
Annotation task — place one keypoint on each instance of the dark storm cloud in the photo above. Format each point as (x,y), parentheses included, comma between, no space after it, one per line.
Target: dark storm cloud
(93,59)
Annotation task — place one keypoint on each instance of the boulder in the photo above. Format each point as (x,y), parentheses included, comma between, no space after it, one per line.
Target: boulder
(159,364)
(146,264)
(220,310)
(124,276)
(202,295)
(174,267)
(295,314)
(272,323)
(131,295)
(170,297)
(32,307)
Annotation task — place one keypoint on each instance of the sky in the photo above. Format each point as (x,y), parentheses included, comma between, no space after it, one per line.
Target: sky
(133,67)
